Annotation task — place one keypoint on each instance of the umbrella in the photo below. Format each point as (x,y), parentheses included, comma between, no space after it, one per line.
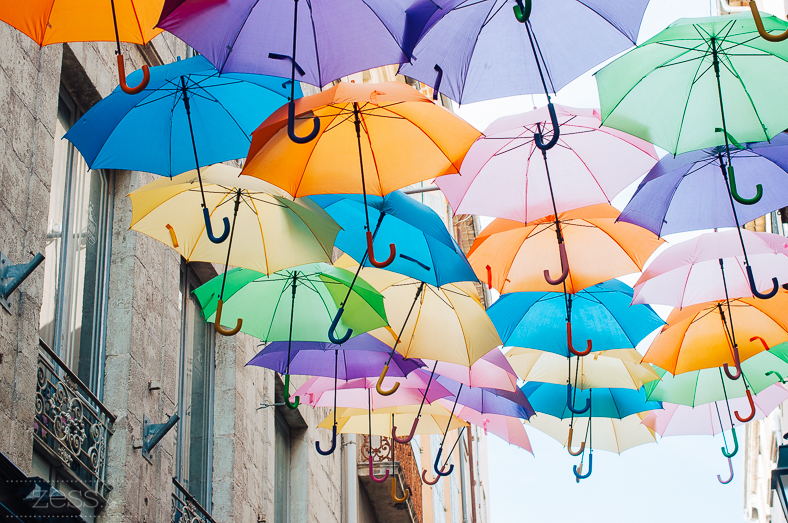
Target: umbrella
(514,257)
(486,400)
(549,398)
(500,177)
(414,387)
(611,434)
(618,368)
(271,231)
(427,251)
(600,313)
(491,370)
(688,273)
(59,21)
(354,421)
(511,430)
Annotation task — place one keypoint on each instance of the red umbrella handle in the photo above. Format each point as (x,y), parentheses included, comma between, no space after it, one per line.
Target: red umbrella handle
(489,278)
(765,345)
(122,74)
(426,481)
(569,342)
(752,409)
(564,267)
(371,253)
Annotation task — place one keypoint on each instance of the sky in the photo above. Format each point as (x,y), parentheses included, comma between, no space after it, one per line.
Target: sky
(673,480)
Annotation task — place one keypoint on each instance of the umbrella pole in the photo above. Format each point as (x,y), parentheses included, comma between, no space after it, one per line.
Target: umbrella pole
(409,437)
(559,236)
(334,430)
(371,469)
(441,471)
(731,332)
(385,370)
(394,472)
(724,449)
(448,456)
(121,67)
(289,345)
(739,373)
(217,323)
(589,433)
(553,118)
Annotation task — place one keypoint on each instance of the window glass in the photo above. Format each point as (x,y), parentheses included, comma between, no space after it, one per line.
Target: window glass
(281,470)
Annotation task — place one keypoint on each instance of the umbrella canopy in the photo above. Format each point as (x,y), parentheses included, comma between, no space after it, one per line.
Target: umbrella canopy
(262,302)
(426,250)
(404,139)
(688,192)
(711,418)
(487,400)
(600,313)
(319,392)
(549,398)
(619,368)
(360,357)
(696,338)
(509,429)
(491,370)
(271,231)
(433,420)
(503,176)
(666,90)
(690,272)
(613,435)
(188,116)
(597,249)
(570,37)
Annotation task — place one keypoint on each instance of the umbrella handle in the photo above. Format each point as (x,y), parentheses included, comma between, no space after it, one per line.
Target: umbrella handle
(407,438)
(564,267)
(441,471)
(742,200)
(287,395)
(756,16)
(522,11)
(578,471)
(737,364)
(569,444)
(556,131)
(779,376)
(380,382)
(735,446)
(172,235)
(730,467)
(209,230)
(426,481)
(435,93)
(589,344)
(372,473)
(489,278)
(331,330)
(371,253)
(291,126)
(394,491)
(122,74)
(218,319)
(333,444)
(752,409)
(763,341)
(754,289)
(569,402)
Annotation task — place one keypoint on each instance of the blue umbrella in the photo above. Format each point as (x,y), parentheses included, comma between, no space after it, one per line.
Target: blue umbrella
(600,313)
(550,398)
(426,251)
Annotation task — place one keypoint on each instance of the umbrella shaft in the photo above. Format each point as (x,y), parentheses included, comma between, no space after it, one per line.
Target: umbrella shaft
(191,132)
(405,323)
(230,244)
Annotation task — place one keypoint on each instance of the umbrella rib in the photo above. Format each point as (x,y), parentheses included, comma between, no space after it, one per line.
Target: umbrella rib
(306,164)
(686,103)
(276,307)
(262,236)
(136,19)
(729,66)
(232,117)
(235,39)
(372,152)
(475,42)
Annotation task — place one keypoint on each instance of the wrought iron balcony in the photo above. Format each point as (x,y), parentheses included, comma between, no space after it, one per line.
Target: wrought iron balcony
(71,427)
(186,509)
(406,476)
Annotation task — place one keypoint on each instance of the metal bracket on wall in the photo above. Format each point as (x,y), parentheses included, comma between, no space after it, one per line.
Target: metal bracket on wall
(11,276)
(153,432)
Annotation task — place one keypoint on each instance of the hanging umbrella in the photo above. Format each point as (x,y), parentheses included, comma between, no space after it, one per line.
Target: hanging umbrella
(513,257)
(491,370)
(486,400)
(509,429)
(611,434)
(319,391)
(60,21)
(354,421)
(618,368)
(500,176)
(689,273)
(427,251)
(549,398)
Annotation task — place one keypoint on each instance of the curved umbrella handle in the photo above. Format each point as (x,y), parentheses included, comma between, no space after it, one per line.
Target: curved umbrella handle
(291,126)
(569,401)
(489,278)
(763,341)
(426,481)
(371,253)
(435,93)
(331,330)
(441,472)
(394,491)
(754,289)
(407,438)
(564,267)
(737,364)
(730,467)
(578,475)
(172,235)
(287,394)
(735,446)
(522,11)
(218,319)
(756,16)
(569,444)
(742,200)
(779,376)
(209,230)
(556,131)
(372,473)
(380,383)
(122,74)
(333,444)
(589,345)
(752,409)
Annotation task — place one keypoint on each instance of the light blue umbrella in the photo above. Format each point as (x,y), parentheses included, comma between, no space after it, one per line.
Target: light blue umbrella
(550,398)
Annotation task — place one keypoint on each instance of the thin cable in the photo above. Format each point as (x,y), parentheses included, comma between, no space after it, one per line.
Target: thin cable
(292,314)
(191,132)
(451,416)
(357,123)
(427,390)
(230,244)
(405,323)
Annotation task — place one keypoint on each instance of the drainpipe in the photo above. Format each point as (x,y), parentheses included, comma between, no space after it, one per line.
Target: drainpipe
(728,8)
(463,484)
(473,480)
(351,479)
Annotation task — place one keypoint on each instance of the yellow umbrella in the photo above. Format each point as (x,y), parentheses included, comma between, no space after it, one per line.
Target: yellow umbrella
(614,435)
(619,368)
(270,233)
(434,420)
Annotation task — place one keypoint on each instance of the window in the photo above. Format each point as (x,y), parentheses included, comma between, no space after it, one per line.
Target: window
(281,469)
(77,257)
(195,401)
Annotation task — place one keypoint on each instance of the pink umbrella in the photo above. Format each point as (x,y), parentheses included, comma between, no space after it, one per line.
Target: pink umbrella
(503,174)
(319,392)
(690,272)
(507,428)
(492,371)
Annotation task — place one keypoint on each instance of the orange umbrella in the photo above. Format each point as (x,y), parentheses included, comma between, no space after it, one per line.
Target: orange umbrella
(58,21)
(512,256)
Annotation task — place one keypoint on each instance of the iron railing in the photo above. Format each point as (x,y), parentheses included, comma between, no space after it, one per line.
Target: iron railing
(186,509)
